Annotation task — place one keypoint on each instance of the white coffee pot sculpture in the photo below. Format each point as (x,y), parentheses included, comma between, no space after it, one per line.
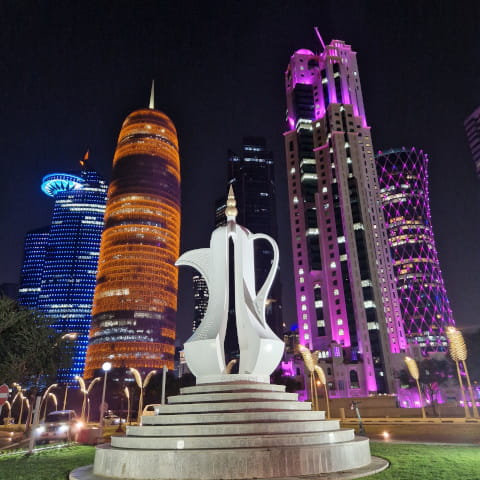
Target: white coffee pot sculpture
(260,349)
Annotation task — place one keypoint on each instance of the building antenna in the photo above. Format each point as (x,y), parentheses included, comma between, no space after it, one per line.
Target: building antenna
(319,37)
(152,96)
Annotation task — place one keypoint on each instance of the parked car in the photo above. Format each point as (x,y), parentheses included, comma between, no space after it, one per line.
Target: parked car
(111,419)
(59,425)
(152,409)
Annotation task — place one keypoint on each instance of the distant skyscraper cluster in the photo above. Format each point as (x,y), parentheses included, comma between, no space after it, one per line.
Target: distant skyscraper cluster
(367,278)
(425,309)
(135,299)
(472,127)
(58,274)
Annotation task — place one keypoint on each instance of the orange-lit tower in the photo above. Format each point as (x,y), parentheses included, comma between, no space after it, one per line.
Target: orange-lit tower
(135,298)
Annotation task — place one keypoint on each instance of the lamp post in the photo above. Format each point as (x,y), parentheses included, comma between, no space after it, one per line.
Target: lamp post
(142,386)
(22,398)
(106,367)
(323,379)
(44,396)
(127,394)
(65,397)
(413,369)
(458,352)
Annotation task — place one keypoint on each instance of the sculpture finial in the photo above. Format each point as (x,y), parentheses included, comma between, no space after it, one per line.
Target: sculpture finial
(231,211)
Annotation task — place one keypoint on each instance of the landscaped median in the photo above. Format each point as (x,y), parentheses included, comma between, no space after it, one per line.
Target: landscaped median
(407,462)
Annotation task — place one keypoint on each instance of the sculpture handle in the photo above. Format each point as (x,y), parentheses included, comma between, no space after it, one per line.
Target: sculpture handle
(261,296)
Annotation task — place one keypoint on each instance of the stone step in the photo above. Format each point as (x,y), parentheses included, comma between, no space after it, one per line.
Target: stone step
(234,407)
(232,441)
(231,463)
(233,387)
(252,396)
(233,417)
(254,428)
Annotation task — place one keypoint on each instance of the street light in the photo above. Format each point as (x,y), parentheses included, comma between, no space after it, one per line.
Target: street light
(106,367)
(83,389)
(413,369)
(458,352)
(44,396)
(322,379)
(142,386)
(127,394)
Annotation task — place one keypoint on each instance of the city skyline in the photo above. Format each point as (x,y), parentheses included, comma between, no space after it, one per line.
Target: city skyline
(225,80)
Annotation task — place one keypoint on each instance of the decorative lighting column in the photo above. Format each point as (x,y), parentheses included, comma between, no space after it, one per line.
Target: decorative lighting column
(413,369)
(458,352)
(142,385)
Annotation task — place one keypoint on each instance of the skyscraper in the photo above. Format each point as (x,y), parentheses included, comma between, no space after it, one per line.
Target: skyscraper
(58,273)
(472,127)
(252,175)
(34,250)
(135,299)
(347,305)
(425,309)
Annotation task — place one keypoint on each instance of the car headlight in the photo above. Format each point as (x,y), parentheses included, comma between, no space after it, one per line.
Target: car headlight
(62,428)
(39,430)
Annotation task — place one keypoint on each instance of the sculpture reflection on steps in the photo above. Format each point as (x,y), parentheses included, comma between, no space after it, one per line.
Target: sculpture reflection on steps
(260,349)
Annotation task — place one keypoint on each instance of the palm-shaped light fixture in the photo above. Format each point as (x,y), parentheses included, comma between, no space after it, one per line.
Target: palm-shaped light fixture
(141,385)
(458,352)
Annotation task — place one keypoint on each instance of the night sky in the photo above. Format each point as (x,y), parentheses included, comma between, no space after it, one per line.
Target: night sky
(70,72)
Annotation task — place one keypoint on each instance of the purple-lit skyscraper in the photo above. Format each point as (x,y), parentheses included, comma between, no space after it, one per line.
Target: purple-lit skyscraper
(426,312)
(347,304)
(472,127)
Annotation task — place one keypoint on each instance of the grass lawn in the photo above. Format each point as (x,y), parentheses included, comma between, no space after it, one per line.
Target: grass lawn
(54,464)
(408,462)
(427,462)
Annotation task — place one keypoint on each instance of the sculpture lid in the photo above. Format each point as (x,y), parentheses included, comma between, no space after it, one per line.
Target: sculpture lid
(231,211)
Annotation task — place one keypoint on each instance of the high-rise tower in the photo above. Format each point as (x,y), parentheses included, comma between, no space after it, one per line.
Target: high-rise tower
(34,250)
(251,173)
(135,299)
(424,304)
(347,306)
(472,127)
(58,273)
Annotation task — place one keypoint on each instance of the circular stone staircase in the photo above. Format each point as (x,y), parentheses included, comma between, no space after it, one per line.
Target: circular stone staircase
(231,431)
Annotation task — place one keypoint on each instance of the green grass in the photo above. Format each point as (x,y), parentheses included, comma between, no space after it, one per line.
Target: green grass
(408,462)
(427,462)
(53,464)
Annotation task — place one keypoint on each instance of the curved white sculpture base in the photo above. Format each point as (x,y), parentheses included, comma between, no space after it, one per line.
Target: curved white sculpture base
(230,431)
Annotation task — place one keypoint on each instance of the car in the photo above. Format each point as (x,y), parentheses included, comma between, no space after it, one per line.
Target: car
(58,425)
(111,419)
(152,409)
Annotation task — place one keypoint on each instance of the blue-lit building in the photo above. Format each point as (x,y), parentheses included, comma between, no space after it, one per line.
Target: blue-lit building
(32,268)
(67,258)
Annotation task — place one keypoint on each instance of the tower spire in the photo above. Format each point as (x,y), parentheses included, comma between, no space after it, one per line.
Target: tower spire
(319,37)
(152,96)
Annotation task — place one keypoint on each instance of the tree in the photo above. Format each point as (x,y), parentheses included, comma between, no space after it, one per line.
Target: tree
(31,349)
(433,374)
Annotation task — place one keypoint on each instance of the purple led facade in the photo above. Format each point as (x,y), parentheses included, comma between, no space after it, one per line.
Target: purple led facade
(426,312)
(347,305)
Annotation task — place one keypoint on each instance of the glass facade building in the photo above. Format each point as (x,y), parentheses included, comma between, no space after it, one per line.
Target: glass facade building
(34,250)
(135,298)
(472,128)
(425,308)
(58,273)
(347,305)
